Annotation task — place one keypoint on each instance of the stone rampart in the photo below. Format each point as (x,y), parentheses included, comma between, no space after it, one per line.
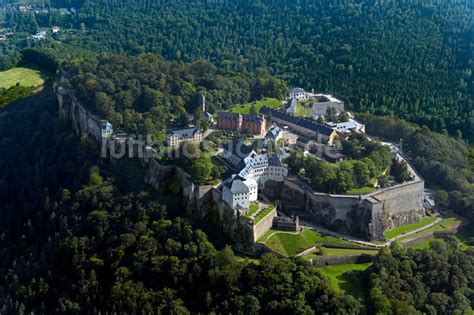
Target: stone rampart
(366,216)
(264,225)
(341,260)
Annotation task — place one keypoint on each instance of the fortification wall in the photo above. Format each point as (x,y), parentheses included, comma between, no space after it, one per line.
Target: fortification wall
(264,225)
(195,197)
(337,212)
(433,235)
(401,204)
(237,228)
(365,216)
(341,260)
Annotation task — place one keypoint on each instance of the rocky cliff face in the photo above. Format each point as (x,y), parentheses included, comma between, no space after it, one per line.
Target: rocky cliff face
(83,121)
(198,200)
(86,123)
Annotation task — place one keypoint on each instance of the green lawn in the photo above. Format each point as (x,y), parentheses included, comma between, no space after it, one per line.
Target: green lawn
(263,213)
(253,208)
(450,219)
(346,278)
(245,108)
(409,227)
(461,237)
(24,76)
(303,110)
(291,244)
(358,191)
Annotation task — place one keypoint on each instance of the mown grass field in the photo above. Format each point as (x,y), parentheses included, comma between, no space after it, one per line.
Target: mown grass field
(461,237)
(244,109)
(24,76)
(291,244)
(346,278)
(449,219)
(409,227)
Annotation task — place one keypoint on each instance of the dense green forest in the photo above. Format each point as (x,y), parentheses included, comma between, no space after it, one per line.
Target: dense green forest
(147,94)
(79,237)
(410,59)
(438,280)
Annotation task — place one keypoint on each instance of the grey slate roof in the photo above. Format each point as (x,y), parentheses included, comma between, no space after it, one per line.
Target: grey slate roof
(302,122)
(228,115)
(273,160)
(302,140)
(251,118)
(273,132)
(238,148)
(183,133)
(237,186)
(297,90)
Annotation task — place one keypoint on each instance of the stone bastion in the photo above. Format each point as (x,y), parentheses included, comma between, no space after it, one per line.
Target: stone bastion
(366,216)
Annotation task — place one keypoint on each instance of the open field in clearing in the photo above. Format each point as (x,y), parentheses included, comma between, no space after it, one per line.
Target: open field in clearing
(346,278)
(245,108)
(24,76)
(409,227)
(291,244)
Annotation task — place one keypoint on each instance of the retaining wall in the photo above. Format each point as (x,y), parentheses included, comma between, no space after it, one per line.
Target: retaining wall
(264,225)
(341,260)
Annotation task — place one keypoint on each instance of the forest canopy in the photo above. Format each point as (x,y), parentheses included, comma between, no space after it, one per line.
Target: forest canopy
(410,59)
(148,94)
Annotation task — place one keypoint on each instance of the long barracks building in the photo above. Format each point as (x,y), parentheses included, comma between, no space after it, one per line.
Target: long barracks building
(305,127)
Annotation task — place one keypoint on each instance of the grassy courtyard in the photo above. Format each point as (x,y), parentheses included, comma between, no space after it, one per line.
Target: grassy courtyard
(292,243)
(253,208)
(245,108)
(346,278)
(23,76)
(304,110)
(361,191)
(409,227)
(263,213)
